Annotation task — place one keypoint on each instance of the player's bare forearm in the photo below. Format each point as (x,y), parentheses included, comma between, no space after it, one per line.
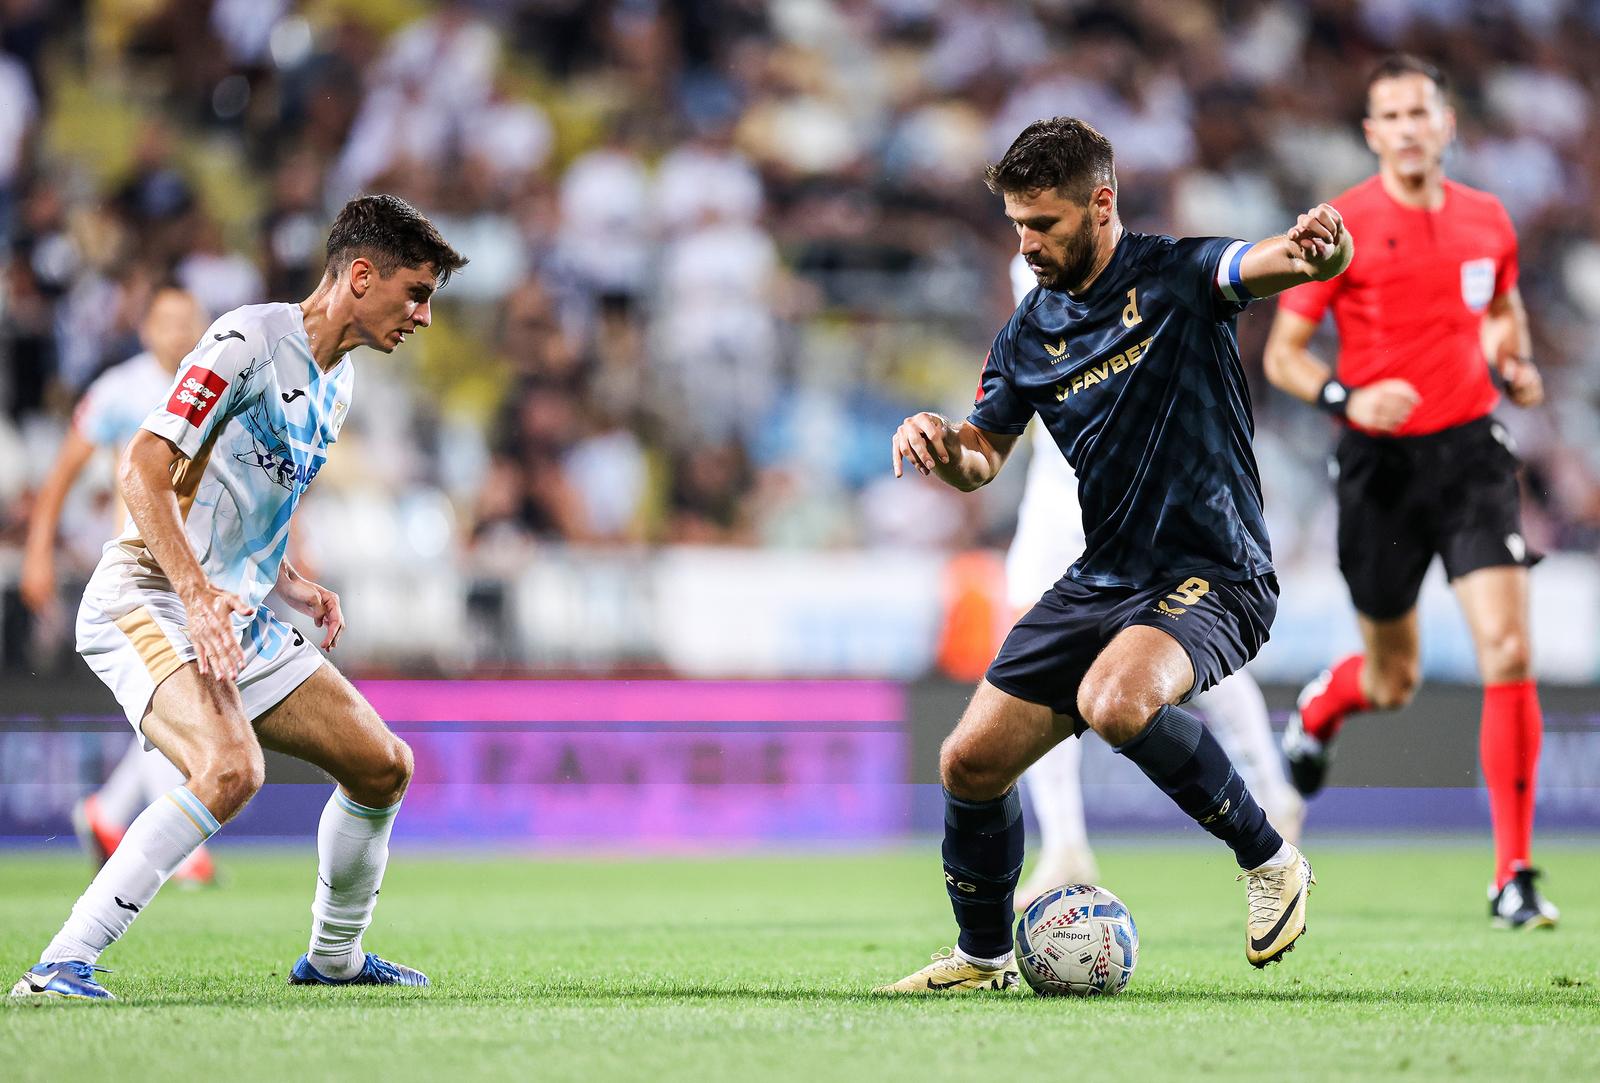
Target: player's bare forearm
(1315,249)
(1290,365)
(145,477)
(46,515)
(958,453)
(1508,344)
(1505,328)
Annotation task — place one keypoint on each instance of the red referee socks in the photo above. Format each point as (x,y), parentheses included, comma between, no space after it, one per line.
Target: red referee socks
(1323,709)
(1508,743)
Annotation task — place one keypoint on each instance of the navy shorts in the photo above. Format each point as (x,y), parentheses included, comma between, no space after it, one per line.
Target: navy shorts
(1220,624)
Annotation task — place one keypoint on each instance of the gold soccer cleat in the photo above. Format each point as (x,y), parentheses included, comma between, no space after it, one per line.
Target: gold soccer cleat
(950,973)
(1277,909)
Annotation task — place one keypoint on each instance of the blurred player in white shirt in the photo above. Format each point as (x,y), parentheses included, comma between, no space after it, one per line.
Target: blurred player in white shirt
(110,412)
(1049,538)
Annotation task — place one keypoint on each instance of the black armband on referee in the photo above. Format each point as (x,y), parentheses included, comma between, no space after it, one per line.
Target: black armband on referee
(1334,398)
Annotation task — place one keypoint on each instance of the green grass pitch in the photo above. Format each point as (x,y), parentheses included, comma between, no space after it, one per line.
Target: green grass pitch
(758,968)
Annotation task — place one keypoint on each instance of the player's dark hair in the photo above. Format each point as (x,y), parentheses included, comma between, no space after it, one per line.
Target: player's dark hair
(392,234)
(1397,64)
(1062,153)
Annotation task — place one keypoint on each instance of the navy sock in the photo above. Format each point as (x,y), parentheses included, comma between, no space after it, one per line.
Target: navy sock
(982,861)
(1180,755)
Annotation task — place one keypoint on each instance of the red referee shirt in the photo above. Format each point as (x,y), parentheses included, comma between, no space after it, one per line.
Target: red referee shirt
(1411,303)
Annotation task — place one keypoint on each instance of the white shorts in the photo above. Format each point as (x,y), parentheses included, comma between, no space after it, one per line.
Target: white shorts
(134,637)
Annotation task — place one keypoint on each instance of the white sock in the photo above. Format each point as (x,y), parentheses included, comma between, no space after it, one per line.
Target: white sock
(1055,790)
(157,774)
(1284,856)
(156,843)
(352,851)
(123,797)
(977,960)
(1237,712)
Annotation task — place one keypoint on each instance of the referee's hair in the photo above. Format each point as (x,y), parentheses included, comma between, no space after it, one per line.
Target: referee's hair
(392,234)
(1062,153)
(1397,64)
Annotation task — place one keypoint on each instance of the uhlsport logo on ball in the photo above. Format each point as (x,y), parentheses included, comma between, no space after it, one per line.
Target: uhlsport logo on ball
(1077,940)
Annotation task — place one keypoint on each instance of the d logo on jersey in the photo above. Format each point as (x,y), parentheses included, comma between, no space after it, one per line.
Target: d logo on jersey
(196,395)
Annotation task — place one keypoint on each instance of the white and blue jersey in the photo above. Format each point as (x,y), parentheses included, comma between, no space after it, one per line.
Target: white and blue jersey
(118,400)
(254,416)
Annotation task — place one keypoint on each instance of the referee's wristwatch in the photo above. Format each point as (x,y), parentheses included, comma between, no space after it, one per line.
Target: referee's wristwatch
(1334,398)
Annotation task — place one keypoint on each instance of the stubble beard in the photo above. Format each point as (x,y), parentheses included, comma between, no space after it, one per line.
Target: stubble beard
(1077,261)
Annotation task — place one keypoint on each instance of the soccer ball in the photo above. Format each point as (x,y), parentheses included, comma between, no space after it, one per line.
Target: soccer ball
(1078,940)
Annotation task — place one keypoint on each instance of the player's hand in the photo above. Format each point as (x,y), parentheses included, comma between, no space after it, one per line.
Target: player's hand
(928,440)
(1382,406)
(317,602)
(38,584)
(1523,382)
(216,645)
(1317,237)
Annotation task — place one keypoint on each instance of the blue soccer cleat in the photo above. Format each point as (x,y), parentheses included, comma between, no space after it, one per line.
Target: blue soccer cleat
(70,980)
(374,971)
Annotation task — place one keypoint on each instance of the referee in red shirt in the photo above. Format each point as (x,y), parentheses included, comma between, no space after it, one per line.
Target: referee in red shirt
(1428,306)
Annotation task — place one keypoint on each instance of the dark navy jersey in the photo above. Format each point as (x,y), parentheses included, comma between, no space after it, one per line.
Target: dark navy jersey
(1139,382)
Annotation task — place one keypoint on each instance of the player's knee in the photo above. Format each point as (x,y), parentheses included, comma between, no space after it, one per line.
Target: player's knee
(387,774)
(226,781)
(1394,684)
(1505,657)
(969,774)
(1115,711)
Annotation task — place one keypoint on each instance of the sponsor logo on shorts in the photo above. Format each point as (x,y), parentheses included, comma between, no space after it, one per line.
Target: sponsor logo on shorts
(196,395)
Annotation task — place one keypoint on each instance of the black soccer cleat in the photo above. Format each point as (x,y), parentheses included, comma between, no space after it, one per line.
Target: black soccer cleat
(1306,756)
(1519,905)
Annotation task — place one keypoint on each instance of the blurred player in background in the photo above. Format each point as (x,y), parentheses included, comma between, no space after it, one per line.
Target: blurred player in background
(1049,538)
(1424,470)
(1127,352)
(110,412)
(174,619)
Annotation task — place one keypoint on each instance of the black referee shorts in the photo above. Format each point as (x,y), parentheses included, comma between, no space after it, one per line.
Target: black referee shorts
(1220,624)
(1404,499)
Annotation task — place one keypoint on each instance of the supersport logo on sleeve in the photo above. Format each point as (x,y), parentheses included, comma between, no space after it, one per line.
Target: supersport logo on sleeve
(195,394)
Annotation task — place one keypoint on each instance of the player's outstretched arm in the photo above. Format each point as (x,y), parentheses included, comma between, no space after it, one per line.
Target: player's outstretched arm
(1315,249)
(1508,344)
(145,475)
(1381,406)
(38,586)
(958,452)
(314,600)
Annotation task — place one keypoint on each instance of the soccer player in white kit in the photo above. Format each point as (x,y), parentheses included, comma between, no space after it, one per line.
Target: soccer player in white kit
(108,415)
(1049,538)
(174,620)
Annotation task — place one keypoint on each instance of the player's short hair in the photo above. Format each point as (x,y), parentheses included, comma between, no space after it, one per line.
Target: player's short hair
(392,234)
(1395,65)
(1062,153)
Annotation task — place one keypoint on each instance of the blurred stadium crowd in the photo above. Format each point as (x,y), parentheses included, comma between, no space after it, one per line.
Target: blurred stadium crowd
(720,247)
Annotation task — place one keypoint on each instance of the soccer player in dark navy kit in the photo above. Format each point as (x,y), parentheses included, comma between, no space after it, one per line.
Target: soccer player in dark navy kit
(1128,354)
